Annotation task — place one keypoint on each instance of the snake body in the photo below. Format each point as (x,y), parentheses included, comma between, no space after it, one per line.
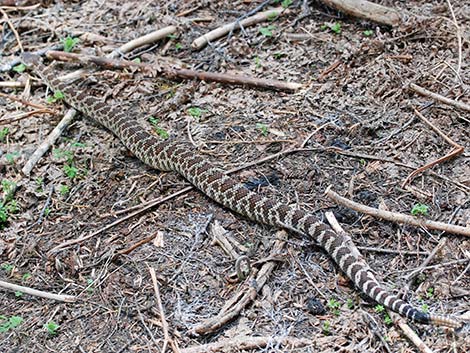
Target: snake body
(181,157)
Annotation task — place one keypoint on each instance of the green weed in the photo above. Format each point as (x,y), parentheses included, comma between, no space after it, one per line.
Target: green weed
(57,96)
(267,31)
(69,43)
(3,133)
(51,328)
(7,324)
(419,210)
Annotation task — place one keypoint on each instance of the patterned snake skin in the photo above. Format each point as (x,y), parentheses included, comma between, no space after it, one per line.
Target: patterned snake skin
(172,155)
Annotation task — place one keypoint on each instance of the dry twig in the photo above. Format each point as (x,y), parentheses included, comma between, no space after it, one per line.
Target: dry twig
(179,73)
(235,305)
(240,343)
(13,29)
(367,10)
(457,150)
(217,33)
(426,93)
(408,331)
(396,217)
(37,293)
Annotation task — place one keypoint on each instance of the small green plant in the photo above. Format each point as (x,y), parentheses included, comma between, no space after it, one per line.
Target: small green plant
(77,144)
(334,306)
(195,112)
(137,60)
(286,3)
(272,16)
(7,267)
(257,62)
(278,55)
(3,216)
(69,43)
(388,320)
(70,171)
(335,27)
(425,308)
(263,128)
(8,187)
(368,32)
(349,303)
(160,131)
(90,285)
(10,157)
(3,133)
(379,308)
(19,68)
(11,323)
(419,210)
(430,293)
(178,46)
(18,294)
(267,31)
(61,154)
(172,36)
(51,328)
(12,206)
(58,95)
(326,327)
(26,276)
(64,190)
(47,211)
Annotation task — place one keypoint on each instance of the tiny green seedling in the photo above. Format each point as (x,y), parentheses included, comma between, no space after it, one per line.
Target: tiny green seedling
(64,190)
(326,327)
(195,112)
(263,128)
(419,210)
(8,186)
(7,267)
(334,305)
(425,308)
(78,144)
(172,36)
(51,328)
(3,133)
(10,157)
(430,293)
(11,323)
(137,60)
(47,211)
(70,171)
(160,131)
(19,68)
(350,303)
(388,320)
(379,308)
(58,95)
(286,3)
(278,55)
(69,43)
(368,32)
(335,27)
(257,62)
(63,154)
(272,16)
(178,46)
(18,294)
(267,31)
(26,276)
(3,216)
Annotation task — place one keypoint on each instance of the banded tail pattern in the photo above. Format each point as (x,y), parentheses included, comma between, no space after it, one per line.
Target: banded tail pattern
(181,157)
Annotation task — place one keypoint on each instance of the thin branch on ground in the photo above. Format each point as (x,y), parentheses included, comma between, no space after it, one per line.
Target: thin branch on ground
(37,293)
(166,335)
(241,343)
(457,150)
(427,93)
(23,101)
(242,299)
(217,33)
(21,116)
(408,331)
(459,38)
(395,216)
(178,73)
(367,10)
(13,29)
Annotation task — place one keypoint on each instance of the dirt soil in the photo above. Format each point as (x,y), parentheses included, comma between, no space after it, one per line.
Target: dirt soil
(364,140)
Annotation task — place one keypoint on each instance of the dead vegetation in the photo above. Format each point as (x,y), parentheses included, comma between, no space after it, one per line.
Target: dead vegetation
(142,280)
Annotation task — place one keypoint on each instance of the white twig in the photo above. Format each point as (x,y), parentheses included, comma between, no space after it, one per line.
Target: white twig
(37,293)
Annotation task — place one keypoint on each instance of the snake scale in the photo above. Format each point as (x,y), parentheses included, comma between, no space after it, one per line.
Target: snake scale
(181,157)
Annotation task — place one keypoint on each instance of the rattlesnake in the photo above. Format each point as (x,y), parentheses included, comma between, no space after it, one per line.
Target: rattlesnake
(181,157)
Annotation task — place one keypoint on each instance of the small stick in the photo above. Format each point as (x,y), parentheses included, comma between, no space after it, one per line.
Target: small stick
(37,293)
(48,142)
(424,92)
(22,101)
(241,343)
(396,217)
(143,40)
(426,262)
(459,38)
(391,251)
(242,299)
(408,331)
(21,116)
(217,33)
(367,10)
(178,73)
(156,288)
(457,150)
(13,29)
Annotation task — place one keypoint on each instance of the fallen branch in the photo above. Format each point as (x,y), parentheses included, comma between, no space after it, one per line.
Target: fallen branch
(37,293)
(178,73)
(240,343)
(457,150)
(217,33)
(408,331)
(241,300)
(426,93)
(396,217)
(367,10)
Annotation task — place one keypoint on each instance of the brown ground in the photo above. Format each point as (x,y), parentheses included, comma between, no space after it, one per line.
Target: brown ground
(368,111)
